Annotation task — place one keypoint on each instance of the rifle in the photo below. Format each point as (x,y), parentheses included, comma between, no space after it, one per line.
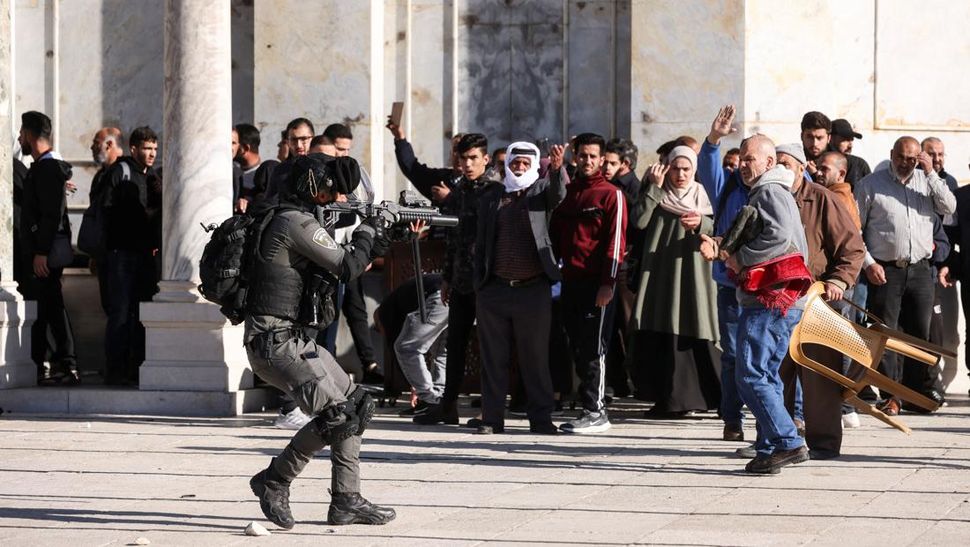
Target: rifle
(408,209)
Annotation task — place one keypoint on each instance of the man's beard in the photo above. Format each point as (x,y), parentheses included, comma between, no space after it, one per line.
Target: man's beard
(892,169)
(25,148)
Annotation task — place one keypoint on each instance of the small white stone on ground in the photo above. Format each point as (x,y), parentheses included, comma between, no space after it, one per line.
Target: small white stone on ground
(256,529)
(142,541)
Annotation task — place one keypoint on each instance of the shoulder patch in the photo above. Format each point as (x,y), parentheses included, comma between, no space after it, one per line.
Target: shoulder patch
(323,239)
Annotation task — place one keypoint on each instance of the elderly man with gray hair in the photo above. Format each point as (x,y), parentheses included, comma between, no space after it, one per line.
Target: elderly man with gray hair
(770,304)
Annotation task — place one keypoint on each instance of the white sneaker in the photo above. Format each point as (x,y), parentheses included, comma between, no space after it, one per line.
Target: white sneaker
(851,420)
(296,419)
(587,422)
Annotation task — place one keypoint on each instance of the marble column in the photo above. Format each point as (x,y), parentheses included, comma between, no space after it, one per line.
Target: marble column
(189,345)
(16,315)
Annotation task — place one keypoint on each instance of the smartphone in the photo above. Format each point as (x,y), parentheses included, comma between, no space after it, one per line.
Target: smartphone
(397,111)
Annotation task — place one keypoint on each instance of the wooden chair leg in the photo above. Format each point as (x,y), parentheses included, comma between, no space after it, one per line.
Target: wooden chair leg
(863,406)
(876,379)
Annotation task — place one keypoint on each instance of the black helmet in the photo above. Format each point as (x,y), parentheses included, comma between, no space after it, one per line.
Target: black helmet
(314,173)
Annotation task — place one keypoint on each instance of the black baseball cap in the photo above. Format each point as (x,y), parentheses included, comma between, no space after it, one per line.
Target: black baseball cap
(843,128)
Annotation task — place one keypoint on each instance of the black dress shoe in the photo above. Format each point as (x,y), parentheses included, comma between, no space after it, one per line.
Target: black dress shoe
(372,377)
(822,454)
(733,432)
(771,465)
(486,429)
(544,428)
(449,413)
(661,414)
(71,378)
(474,423)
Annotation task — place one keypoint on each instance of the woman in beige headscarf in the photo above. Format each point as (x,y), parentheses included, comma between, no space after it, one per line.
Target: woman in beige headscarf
(674,327)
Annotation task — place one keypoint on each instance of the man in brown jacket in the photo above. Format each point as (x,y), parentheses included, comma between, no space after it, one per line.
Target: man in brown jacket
(832,167)
(836,252)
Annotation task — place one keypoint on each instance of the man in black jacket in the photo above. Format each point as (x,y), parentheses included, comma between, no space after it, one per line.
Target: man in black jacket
(106,149)
(514,267)
(457,287)
(43,220)
(132,201)
(434,183)
(619,167)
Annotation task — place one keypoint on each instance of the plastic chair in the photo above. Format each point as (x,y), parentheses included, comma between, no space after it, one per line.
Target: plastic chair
(823,326)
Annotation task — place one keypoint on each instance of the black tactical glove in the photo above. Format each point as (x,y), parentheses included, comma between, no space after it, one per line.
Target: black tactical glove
(377,224)
(380,248)
(401,233)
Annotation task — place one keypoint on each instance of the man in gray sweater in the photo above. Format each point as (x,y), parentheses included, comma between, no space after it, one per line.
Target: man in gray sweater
(768,313)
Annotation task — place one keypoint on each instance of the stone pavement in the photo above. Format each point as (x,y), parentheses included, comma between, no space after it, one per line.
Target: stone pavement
(184,481)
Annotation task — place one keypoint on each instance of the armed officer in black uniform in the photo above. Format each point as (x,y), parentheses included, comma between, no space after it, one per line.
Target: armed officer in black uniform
(291,278)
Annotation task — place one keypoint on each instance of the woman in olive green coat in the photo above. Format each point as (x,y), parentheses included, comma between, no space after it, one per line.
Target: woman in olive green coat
(673,358)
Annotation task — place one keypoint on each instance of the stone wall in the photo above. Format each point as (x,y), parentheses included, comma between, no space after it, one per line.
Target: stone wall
(876,64)
(512,69)
(687,60)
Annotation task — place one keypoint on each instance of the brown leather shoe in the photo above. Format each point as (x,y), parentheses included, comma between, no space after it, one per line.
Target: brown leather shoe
(889,407)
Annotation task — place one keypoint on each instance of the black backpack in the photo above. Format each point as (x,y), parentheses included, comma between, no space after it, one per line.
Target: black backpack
(226,258)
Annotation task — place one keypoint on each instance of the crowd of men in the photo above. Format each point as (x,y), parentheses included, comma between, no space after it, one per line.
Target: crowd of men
(565,260)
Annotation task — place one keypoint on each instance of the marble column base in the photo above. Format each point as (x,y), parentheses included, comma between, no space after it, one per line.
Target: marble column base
(177,291)
(189,346)
(16,317)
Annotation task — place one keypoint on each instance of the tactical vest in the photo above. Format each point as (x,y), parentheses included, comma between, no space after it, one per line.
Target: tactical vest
(274,290)
(304,296)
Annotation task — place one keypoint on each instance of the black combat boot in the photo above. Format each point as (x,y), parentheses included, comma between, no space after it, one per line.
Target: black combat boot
(352,508)
(274,497)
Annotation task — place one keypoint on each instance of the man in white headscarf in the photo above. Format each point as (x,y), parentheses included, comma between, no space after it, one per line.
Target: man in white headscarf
(514,267)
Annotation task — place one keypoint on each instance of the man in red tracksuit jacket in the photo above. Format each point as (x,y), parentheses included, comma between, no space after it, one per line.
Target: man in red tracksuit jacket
(588,231)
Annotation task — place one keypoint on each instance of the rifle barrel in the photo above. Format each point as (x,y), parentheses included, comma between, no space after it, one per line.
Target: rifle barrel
(431,218)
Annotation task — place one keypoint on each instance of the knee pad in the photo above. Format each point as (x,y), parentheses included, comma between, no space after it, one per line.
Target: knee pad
(336,423)
(363,406)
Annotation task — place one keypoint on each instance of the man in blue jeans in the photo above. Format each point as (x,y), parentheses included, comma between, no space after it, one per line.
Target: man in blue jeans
(768,313)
